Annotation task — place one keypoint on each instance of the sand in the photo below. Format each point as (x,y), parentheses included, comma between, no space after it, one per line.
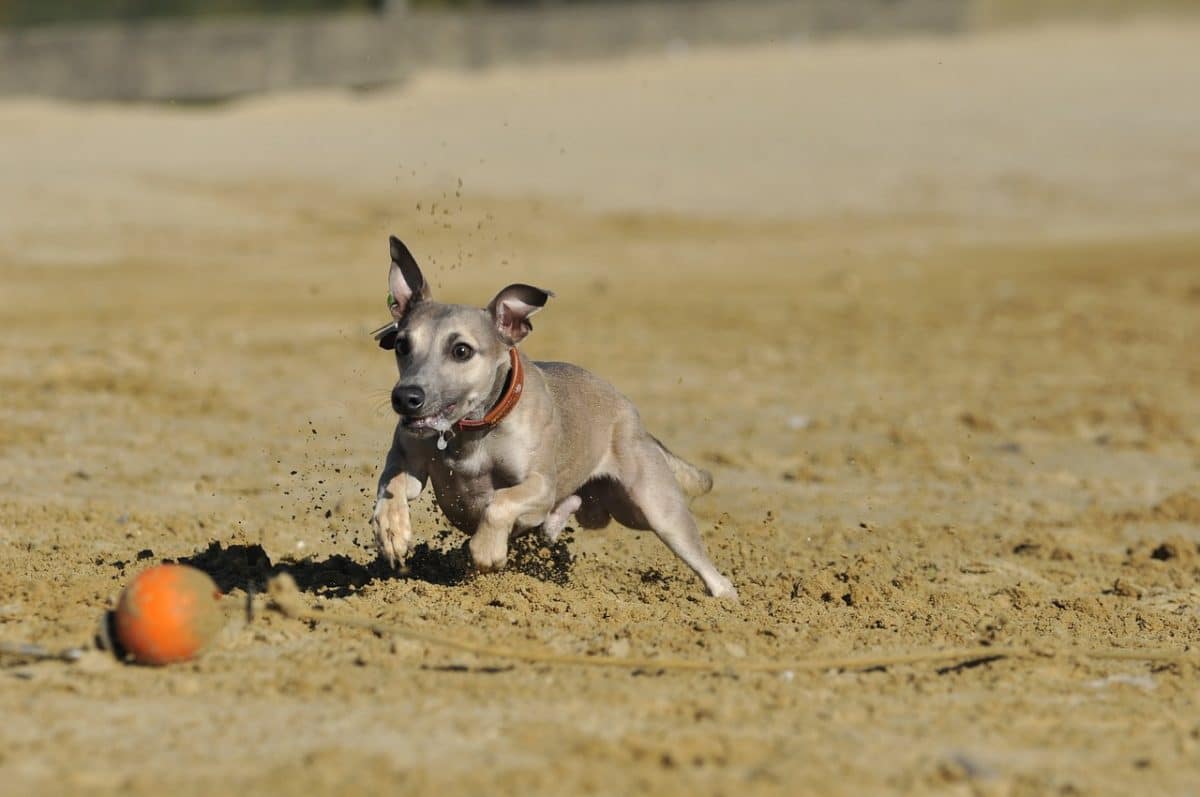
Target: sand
(926,308)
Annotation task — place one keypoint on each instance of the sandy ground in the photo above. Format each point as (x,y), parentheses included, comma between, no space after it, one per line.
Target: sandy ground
(927,309)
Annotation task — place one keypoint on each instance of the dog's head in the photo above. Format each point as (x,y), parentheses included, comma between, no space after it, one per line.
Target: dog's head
(452,359)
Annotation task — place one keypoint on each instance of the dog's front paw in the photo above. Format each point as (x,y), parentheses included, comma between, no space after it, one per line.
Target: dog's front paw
(393,533)
(489,551)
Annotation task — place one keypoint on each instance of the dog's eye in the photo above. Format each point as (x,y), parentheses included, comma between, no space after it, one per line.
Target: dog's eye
(462,352)
(403,345)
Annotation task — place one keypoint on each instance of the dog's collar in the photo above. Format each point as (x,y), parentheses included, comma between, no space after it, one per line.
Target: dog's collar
(513,389)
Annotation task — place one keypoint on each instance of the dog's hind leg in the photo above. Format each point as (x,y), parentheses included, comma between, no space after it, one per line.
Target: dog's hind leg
(651,486)
(556,521)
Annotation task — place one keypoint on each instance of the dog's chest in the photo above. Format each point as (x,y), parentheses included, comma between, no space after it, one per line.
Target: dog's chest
(466,464)
(464,481)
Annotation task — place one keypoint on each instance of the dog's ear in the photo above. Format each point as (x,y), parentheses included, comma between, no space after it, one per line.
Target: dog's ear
(512,307)
(406,283)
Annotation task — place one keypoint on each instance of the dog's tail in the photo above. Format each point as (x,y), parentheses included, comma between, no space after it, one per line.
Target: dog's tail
(694,481)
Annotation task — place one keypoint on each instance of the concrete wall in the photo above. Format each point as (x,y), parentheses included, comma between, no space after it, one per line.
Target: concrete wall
(987,14)
(205,60)
(202,60)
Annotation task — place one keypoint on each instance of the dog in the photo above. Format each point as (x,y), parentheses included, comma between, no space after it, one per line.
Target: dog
(512,445)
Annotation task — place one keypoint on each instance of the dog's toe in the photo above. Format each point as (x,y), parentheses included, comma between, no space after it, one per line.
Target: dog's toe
(487,553)
(723,589)
(490,565)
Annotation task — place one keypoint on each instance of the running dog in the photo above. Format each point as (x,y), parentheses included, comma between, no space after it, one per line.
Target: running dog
(512,445)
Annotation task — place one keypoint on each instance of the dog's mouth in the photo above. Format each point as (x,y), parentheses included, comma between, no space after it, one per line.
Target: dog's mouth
(440,421)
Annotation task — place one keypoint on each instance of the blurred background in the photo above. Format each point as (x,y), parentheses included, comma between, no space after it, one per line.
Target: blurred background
(185,49)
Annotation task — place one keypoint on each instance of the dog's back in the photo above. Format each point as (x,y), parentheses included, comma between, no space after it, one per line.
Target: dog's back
(592,414)
(599,420)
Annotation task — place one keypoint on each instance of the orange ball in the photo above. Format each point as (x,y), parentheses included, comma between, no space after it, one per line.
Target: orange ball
(168,614)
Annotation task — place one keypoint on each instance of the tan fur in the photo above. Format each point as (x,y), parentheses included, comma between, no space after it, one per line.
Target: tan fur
(572,445)
(694,481)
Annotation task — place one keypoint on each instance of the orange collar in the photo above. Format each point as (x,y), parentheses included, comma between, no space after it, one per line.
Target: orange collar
(508,399)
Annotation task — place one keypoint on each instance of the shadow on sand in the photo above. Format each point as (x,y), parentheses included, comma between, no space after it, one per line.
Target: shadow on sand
(248,567)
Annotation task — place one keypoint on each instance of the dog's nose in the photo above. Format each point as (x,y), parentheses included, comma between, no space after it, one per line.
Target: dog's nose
(407,399)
